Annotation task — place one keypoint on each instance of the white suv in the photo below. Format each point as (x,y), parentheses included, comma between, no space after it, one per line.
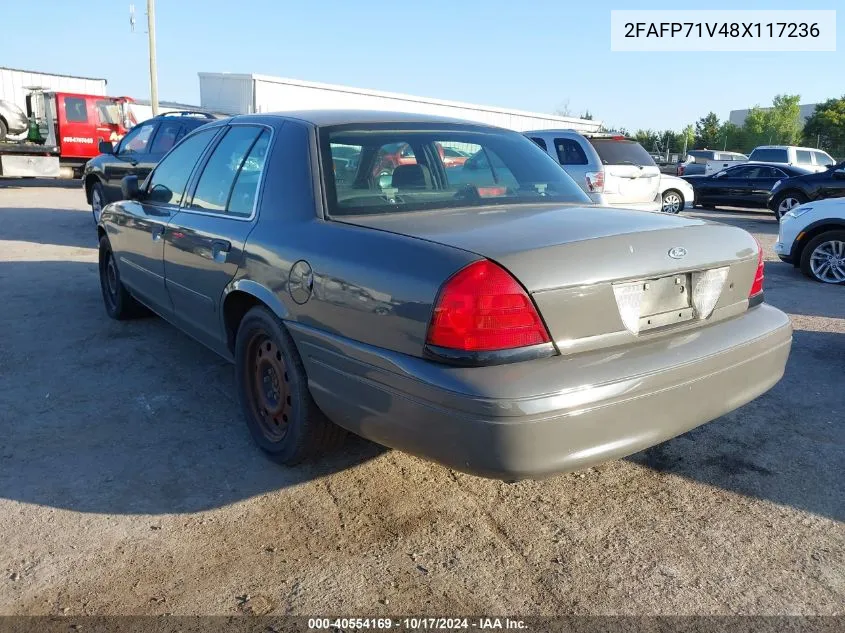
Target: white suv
(812,237)
(611,169)
(806,157)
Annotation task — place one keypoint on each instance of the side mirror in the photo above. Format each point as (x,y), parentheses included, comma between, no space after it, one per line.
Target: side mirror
(129,188)
(106,147)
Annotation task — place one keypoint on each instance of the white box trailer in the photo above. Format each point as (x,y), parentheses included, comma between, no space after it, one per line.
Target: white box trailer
(14,84)
(235,93)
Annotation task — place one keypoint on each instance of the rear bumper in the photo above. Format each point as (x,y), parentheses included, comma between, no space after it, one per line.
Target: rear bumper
(552,415)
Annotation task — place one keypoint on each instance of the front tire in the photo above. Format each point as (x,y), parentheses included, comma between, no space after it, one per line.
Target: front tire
(3,131)
(787,201)
(120,305)
(98,200)
(823,259)
(272,386)
(673,201)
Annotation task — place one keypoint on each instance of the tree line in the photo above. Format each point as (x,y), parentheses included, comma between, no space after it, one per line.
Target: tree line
(778,125)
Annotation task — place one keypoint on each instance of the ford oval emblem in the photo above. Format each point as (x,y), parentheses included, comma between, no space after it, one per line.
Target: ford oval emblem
(678,252)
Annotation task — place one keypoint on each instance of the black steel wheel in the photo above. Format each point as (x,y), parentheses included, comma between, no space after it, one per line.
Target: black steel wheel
(118,302)
(273,391)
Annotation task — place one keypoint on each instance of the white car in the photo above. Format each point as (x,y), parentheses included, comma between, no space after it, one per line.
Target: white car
(812,236)
(676,194)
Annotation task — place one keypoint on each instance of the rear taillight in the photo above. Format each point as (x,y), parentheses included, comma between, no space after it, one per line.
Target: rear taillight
(483,308)
(595,181)
(757,286)
(681,169)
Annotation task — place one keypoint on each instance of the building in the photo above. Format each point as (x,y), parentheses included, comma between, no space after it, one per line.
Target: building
(737,117)
(15,84)
(245,93)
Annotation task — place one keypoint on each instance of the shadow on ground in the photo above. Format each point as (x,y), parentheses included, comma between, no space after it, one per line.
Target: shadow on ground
(51,183)
(40,225)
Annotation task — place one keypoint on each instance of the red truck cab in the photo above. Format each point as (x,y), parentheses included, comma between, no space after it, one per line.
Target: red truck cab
(82,121)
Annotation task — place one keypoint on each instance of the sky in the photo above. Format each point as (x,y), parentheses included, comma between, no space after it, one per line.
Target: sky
(531,55)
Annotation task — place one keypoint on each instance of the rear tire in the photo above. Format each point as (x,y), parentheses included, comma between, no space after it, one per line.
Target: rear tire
(823,258)
(786,201)
(120,305)
(273,392)
(98,200)
(3,130)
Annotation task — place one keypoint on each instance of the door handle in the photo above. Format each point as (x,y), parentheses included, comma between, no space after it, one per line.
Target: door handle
(157,232)
(221,246)
(219,250)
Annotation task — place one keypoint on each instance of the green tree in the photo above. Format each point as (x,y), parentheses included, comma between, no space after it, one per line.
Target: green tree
(825,128)
(784,119)
(687,138)
(588,116)
(707,132)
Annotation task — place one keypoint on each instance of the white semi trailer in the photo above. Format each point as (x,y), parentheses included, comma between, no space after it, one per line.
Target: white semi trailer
(235,93)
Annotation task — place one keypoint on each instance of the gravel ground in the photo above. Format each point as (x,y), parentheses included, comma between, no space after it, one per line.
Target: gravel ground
(129,485)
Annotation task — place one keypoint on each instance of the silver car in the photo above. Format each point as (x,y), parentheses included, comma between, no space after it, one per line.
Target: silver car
(611,169)
(479,315)
(12,120)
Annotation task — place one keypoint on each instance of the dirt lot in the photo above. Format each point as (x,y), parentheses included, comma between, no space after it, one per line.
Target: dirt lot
(128,482)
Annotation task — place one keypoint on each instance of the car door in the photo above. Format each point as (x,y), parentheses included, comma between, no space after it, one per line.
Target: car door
(204,242)
(129,156)
(762,179)
(731,186)
(140,249)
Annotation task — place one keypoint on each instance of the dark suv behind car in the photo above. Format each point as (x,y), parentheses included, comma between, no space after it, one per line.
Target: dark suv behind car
(135,154)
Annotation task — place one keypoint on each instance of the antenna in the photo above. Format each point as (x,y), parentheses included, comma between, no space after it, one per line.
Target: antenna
(132,18)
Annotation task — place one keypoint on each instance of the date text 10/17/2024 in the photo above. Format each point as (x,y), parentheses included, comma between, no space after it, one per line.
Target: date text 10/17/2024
(417,624)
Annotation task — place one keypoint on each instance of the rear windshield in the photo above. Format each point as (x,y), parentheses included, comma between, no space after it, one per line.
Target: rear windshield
(621,152)
(770,155)
(380,168)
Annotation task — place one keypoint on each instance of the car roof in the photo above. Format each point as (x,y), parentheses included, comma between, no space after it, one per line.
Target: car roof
(810,149)
(781,166)
(321,118)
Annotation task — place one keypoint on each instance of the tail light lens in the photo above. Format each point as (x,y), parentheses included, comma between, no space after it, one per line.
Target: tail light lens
(483,308)
(595,181)
(757,286)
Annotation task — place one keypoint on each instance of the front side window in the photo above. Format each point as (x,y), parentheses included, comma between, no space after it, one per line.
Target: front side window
(404,169)
(822,158)
(570,152)
(75,110)
(136,141)
(769,155)
(217,182)
(167,183)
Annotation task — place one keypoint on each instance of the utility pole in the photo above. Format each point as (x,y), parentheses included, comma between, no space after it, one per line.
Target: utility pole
(151,29)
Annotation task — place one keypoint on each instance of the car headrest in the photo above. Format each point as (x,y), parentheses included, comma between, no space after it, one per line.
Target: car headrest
(411,177)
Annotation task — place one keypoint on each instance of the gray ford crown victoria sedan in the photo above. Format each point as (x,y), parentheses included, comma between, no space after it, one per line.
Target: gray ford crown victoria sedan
(481,314)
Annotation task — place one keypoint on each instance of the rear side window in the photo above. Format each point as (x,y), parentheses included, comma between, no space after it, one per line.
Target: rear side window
(804,157)
(169,132)
(822,158)
(540,142)
(770,155)
(167,183)
(217,182)
(621,152)
(702,154)
(570,152)
(75,110)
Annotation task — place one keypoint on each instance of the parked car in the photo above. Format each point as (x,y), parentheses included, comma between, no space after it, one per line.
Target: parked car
(12,120)
(745,185)
(812,237)
(135,154)
(790,192)
(453,157)
(611,169)
(676,194)
(493,324)
(697,161)
(808,158)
